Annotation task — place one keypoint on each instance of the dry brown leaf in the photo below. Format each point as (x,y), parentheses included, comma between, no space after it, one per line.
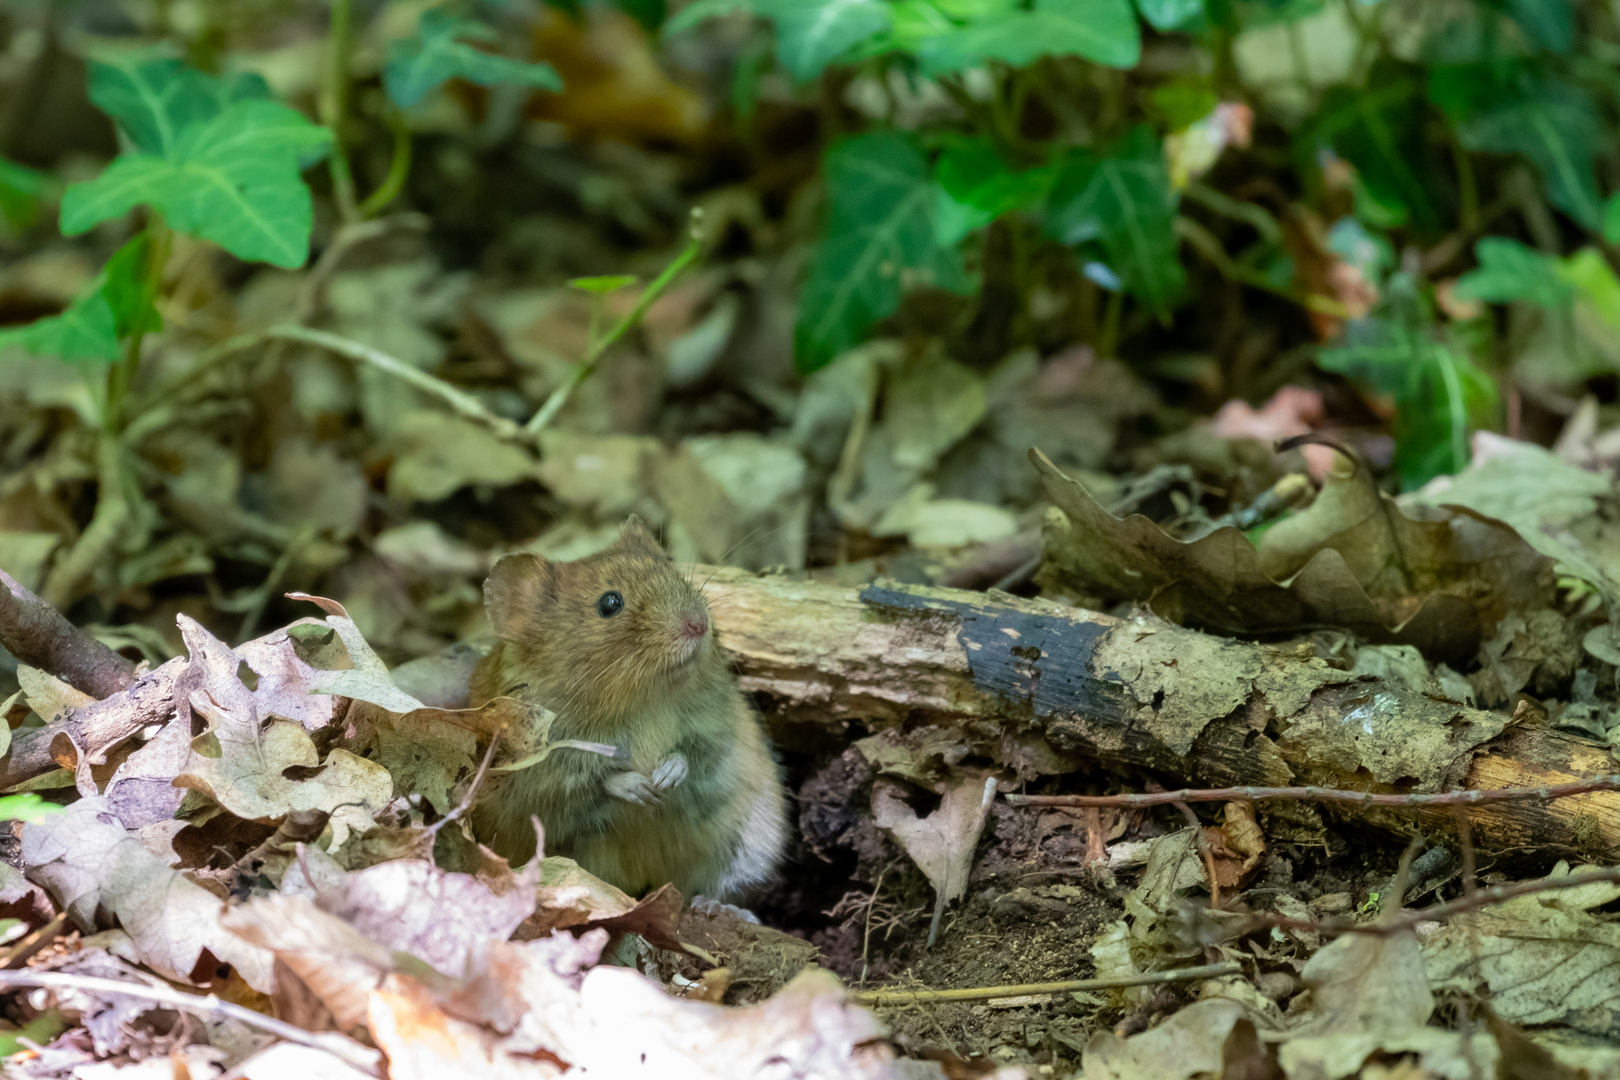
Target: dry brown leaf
(1546,959)
(613,85)
(49,696)
(435,915)
(1369,994)
(422,1042)
(572,898)
(244,769)
(368,679)
(1359,563)
(89,862)
(942,843)
(340,965)
(1187,1044)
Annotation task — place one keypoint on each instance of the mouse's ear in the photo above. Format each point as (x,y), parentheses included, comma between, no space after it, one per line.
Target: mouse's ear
(519,586)
(635,534)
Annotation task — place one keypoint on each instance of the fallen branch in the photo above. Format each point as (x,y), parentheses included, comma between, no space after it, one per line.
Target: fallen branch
(1471,901)
(984,993)
(97,728)
(1027,680)
(40,636)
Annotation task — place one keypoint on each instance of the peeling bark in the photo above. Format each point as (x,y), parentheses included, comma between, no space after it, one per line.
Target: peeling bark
(1188,707)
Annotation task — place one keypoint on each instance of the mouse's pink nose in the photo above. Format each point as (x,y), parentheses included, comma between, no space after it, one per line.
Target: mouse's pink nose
(694,626)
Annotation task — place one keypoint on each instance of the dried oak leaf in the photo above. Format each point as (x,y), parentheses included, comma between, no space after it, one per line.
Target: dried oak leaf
(1544,959)
(89,863)
(1370,995)
(942,843)
(338,963)
(572,898)
(433,914)
(1185,1045)
(143,791)
(1353,559)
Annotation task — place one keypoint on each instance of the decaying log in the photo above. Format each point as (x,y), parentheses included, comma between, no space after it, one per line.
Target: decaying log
(1048,688)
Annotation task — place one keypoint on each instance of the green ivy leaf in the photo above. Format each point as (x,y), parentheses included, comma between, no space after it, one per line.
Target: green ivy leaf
(1595,284)
(1167,15)
(85,331)
(1379,129)
(155,99)
(1555,124)
(27,807)
(1509,271)
(20,191)
(436,53)
(233,180)
(879,240)
(1122,198)
(1611,219)
(111,307)
(124,281)
(1549,24)
(603,285)
(810,34)
(1440,394)
(974,186)
(1103,31)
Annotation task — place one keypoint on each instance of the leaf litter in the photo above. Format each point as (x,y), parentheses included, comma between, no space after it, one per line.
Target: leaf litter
(272,799)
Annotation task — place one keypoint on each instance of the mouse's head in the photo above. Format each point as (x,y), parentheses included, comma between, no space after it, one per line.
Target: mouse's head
(602,634)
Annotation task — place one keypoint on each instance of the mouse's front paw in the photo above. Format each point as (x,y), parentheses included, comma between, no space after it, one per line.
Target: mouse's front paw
(631,786)
(670,772)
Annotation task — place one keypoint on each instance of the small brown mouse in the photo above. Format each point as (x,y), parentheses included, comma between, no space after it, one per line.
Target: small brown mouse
(621,647)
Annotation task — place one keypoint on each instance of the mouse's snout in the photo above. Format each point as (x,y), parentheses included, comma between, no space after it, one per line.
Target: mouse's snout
(694,624)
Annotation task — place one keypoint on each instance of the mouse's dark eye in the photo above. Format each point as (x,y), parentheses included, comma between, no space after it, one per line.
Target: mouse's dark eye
(609,604)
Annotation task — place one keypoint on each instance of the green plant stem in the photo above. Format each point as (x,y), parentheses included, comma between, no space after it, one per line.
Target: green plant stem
(209,1007)
(461,402)
(121,375)
(399,167)
(106,524)
(594,352)
(334,103)
(112,511)
(1068,986)
(1252,214)
(1467,185)
(1207,245)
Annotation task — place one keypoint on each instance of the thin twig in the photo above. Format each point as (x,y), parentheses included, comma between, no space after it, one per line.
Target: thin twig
(208,1007)
(982,993)
(472,789)
(1138,801)
(461,402)
(101,536)
(866,936)
(1480,898)
(1201,844)
(1208,245)
(18,954)
(599,346)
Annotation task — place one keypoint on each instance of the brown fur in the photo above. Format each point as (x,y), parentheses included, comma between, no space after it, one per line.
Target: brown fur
(637,681)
